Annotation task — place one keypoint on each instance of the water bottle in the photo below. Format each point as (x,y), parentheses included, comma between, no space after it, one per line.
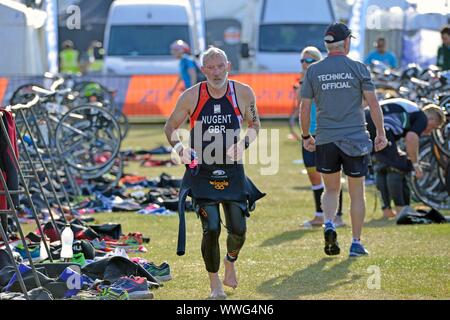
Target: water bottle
(67,241)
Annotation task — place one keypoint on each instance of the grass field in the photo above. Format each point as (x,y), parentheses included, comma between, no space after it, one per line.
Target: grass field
(282,261)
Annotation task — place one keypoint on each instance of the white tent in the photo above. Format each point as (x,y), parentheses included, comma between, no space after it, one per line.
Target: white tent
(22,35)
(411,31)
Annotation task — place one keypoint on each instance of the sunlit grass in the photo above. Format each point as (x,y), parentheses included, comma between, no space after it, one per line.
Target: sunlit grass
(282,261)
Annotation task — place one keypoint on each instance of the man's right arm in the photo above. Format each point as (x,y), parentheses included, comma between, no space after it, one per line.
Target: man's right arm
(305,97)
(305,116)
(178,117)
(172,91)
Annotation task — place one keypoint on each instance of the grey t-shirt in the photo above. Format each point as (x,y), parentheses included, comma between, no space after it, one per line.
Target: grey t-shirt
(336,83)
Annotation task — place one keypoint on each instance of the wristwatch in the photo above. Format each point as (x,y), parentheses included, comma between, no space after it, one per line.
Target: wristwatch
(306,137)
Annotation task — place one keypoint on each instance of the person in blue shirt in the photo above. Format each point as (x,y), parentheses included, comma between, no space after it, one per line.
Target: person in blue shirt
(188,67)
(308,56)
(381,54)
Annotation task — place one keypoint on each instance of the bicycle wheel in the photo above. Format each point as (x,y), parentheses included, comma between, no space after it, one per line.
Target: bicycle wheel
(23,94)
(86,133)
(122,119)
(430,189)
(107,179)
(86,89)
(442,138)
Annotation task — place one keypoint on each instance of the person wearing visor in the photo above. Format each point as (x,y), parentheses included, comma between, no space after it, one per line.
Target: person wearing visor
(188,68)
(308,56)
(338,84)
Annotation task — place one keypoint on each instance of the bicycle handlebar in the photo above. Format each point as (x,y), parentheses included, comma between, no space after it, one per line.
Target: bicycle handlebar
(56,84)
(46,94)
(28,105)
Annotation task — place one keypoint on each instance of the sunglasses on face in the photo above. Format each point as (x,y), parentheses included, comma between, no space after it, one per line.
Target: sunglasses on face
(308,60)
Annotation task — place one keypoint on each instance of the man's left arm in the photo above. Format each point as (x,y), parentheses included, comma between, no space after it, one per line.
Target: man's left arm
(251,117)
(412,151)
(412,147)
(192,71)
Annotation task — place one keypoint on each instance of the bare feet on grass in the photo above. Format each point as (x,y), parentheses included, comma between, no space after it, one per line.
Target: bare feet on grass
(388,213)
(316,222)
(217,292)
(230,279)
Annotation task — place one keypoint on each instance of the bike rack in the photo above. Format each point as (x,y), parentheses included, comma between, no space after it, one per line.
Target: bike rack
(33,170)
(51,163)
(12,211)
(22,180)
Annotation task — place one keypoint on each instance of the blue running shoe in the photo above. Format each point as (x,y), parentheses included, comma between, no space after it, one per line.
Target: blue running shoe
(358,250)
(136,287)
(331,244)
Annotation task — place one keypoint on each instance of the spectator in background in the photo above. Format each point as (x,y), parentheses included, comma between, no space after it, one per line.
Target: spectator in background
(68,58)
(94,64)
(381,54)
(188,67)
(443,56)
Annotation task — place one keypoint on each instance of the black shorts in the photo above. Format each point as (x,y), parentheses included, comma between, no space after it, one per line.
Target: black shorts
(331,159)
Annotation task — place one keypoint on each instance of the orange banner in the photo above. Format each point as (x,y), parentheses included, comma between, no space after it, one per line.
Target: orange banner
(148,95)
(3,86)
(274,92)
